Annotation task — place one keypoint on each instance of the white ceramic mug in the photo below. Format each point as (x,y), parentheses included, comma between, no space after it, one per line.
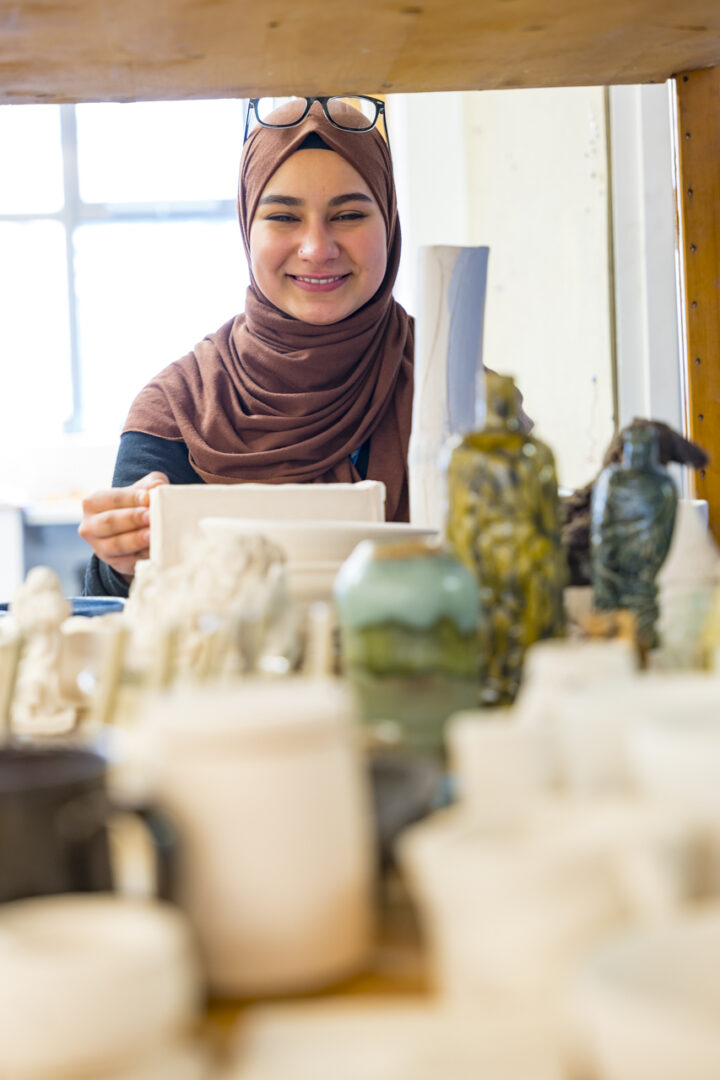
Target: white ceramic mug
(268,788)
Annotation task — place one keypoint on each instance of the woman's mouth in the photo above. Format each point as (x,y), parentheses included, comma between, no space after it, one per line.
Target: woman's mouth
(319,283)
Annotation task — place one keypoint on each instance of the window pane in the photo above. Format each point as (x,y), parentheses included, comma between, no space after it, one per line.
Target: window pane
(147,294)
(34,334)
(31,178)
(159,151)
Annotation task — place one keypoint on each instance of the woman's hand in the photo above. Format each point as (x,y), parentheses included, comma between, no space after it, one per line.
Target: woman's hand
(116,523)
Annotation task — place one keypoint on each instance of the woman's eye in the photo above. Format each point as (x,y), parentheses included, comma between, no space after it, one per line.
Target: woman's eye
(281,217)
(351,215)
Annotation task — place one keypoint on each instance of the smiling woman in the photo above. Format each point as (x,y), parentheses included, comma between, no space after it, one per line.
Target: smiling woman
(318,254)
(313,383)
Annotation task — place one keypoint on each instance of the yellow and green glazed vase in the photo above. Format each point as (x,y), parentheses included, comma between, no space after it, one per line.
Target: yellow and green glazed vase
(504,524)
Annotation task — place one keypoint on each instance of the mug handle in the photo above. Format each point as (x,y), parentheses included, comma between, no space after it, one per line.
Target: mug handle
(164,838)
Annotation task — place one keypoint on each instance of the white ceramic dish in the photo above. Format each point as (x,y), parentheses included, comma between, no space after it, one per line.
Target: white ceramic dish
(177,509)
(646,1005)
(316,541)
(89,980)
(394,1038)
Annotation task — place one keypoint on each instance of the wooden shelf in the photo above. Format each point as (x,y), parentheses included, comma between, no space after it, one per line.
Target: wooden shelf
(93,50)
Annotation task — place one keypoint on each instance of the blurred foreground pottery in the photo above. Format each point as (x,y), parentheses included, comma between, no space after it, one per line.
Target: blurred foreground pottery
(408,616)
(632,520)
(508,909)
(645,1005)
(271,795)
(393,1037)
(55,817)
(503,523)
(92,984)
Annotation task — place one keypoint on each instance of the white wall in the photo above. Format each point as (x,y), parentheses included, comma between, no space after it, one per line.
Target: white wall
(531,181)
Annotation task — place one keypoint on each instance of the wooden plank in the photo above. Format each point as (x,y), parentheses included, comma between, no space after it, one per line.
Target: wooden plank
(92,50)
(698,142)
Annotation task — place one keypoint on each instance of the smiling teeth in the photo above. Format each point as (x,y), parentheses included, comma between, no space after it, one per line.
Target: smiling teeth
(320,280)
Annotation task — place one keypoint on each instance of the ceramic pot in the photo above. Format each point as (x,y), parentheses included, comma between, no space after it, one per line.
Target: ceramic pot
(267,785)
(503,523)
(408,618)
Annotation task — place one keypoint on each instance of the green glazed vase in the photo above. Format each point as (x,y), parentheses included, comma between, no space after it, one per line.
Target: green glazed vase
(503,522)
(408,615)
(631,526)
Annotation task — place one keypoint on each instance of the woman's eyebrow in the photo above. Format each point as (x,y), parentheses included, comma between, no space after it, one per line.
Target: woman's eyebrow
(284,200)
(353,196)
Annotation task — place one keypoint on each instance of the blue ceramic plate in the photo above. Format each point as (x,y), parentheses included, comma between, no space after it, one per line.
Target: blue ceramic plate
(88,605)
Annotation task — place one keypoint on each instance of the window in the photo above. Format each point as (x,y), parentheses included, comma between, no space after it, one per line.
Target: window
(119,250)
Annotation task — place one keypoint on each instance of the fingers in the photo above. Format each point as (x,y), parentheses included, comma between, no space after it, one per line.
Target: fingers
(116,522)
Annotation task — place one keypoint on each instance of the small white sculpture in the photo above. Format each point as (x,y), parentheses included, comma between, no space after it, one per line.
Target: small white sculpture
(226,606)
(39,608)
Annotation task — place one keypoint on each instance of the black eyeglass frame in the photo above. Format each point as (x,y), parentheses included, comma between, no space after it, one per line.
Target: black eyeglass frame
(379,111)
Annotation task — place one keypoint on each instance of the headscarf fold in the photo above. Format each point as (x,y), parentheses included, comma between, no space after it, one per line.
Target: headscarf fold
(271,399)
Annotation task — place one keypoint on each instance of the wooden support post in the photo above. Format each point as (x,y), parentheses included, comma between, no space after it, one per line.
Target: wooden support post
(698,144)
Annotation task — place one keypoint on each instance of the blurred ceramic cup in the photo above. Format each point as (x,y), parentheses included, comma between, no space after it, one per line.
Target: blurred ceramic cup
(645,1005)
(56,818)
(267,785)
(674,756)
(92,985)
(508,910)
(501,767)
(557,668)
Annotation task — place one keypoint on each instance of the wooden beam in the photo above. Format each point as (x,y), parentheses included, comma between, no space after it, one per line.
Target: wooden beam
(698,144)
(126,50)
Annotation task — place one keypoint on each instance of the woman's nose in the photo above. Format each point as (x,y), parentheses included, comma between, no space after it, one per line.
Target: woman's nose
(317,244)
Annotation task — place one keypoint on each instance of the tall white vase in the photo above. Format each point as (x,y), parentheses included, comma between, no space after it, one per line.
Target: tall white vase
(448,357)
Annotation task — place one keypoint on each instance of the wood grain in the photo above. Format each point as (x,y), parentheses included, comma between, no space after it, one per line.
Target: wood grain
(98,50)
(698,141)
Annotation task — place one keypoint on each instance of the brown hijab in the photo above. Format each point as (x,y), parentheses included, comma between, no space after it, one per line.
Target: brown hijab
(271,399)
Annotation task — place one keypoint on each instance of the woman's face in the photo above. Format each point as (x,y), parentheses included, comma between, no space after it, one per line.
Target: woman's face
(318,244)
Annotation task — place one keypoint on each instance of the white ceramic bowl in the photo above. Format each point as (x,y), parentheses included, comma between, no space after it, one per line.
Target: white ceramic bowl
(316,541)
(507,909)
(90,982)
(646,1005)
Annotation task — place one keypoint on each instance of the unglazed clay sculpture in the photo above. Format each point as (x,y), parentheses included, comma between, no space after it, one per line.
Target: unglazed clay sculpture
(225,606)
(39,608)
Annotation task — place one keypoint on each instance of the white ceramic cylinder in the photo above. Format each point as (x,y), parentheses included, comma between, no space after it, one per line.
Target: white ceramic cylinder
(266,783)
(91,983)
(501,766)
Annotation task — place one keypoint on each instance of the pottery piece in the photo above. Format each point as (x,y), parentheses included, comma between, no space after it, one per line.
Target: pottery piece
(226,606)
(177,509)
(270,794)
(645,1004)
(451,288)
(687,583)
(91,983)
(394,1038)
(408,616)
(632,519)
(500,766)
(507,909)
(39,706)
(503,523)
